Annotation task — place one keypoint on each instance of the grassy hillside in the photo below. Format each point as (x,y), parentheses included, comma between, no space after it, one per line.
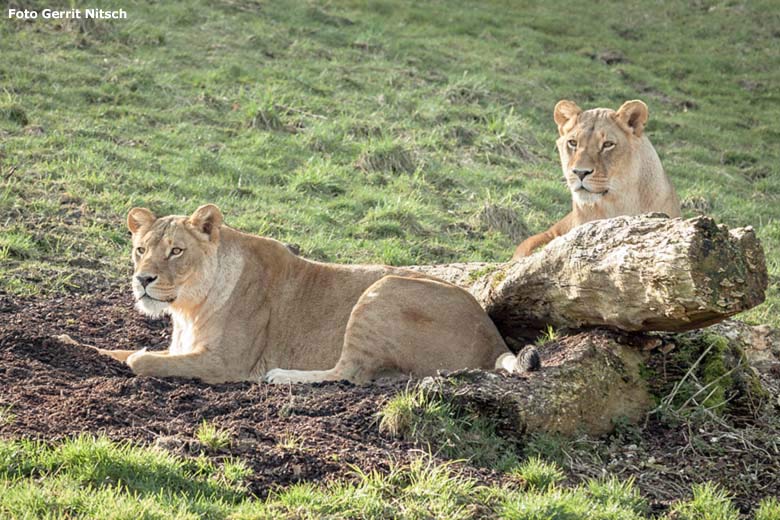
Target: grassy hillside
(393,132)
(398,132)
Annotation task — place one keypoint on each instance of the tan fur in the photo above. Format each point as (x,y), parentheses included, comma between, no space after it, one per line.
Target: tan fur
(626,179)
(243,307)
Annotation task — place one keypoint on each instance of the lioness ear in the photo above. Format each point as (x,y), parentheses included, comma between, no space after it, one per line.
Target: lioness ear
(633,114)
(206,219)
(564,111)
(138,217)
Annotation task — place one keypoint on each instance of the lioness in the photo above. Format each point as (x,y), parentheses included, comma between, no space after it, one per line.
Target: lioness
(245,308)
(610,167)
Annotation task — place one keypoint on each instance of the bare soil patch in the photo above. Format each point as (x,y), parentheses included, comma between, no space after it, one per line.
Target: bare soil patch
(286,434)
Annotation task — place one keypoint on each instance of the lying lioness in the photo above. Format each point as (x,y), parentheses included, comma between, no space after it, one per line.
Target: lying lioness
(610,166)
(245,308)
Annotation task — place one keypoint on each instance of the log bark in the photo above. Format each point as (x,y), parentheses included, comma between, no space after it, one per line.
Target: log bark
(588,381)
(591,380)
(637,273)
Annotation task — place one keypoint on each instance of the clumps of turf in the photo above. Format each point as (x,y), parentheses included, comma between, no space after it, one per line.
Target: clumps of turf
(89,477)
(537,474)
(276,117)
(501,218)
(100,463)
(267,119)
(386,156)
(768,509)
(467,90)
(213,437)
(393,218)
(14,113)
(507,139)
(417,415)
(616,494)
(17,244)
(597,499)
(317,178)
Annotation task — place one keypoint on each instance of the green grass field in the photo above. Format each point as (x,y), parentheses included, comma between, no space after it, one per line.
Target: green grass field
(397,132)
(91,477)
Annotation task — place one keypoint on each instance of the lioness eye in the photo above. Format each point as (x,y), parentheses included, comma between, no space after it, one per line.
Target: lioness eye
(607,145)
(140,250)
(176,251)
(572,143)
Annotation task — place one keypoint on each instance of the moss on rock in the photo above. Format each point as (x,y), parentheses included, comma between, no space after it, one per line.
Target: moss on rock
(708,371)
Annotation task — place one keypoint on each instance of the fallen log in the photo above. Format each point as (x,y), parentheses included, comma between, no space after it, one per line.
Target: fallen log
(637,273)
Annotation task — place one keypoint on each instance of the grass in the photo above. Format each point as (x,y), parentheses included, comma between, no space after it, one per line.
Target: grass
(710,377)
(709,502)
(291,442)
(212,436)
(366,132)
(537,474)
(768,509)
(415,415)
(87,477)
(7,416)
(548,335)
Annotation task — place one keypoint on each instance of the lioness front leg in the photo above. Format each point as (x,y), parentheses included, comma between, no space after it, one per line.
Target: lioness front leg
(119,355)
(411,326)
(532,243)
(201,365)
(279,376)
(122,355)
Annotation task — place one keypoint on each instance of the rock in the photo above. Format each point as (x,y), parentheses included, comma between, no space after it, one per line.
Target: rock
(587,381)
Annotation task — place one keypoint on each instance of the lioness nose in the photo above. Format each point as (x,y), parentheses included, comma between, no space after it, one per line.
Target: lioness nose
(145,279)
(581,172)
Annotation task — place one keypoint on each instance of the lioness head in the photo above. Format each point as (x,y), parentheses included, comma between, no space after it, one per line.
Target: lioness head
(174,258)
(598,148)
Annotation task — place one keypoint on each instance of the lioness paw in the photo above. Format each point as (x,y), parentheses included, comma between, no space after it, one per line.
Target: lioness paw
(64,338)
(278,376)
(139,362)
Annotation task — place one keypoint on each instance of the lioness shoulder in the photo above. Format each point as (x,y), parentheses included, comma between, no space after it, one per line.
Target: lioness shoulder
(610,167)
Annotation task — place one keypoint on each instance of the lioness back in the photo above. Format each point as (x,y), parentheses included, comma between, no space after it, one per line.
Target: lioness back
(610,167)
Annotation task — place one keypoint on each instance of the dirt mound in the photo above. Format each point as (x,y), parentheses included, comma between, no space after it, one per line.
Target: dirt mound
(286,434)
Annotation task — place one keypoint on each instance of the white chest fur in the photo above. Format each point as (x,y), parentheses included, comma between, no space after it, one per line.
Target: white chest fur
(183,338)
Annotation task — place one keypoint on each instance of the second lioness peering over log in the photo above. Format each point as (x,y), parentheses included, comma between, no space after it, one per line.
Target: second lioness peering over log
(639,273)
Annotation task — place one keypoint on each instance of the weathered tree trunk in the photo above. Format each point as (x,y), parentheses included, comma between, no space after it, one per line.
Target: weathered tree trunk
(641,273)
